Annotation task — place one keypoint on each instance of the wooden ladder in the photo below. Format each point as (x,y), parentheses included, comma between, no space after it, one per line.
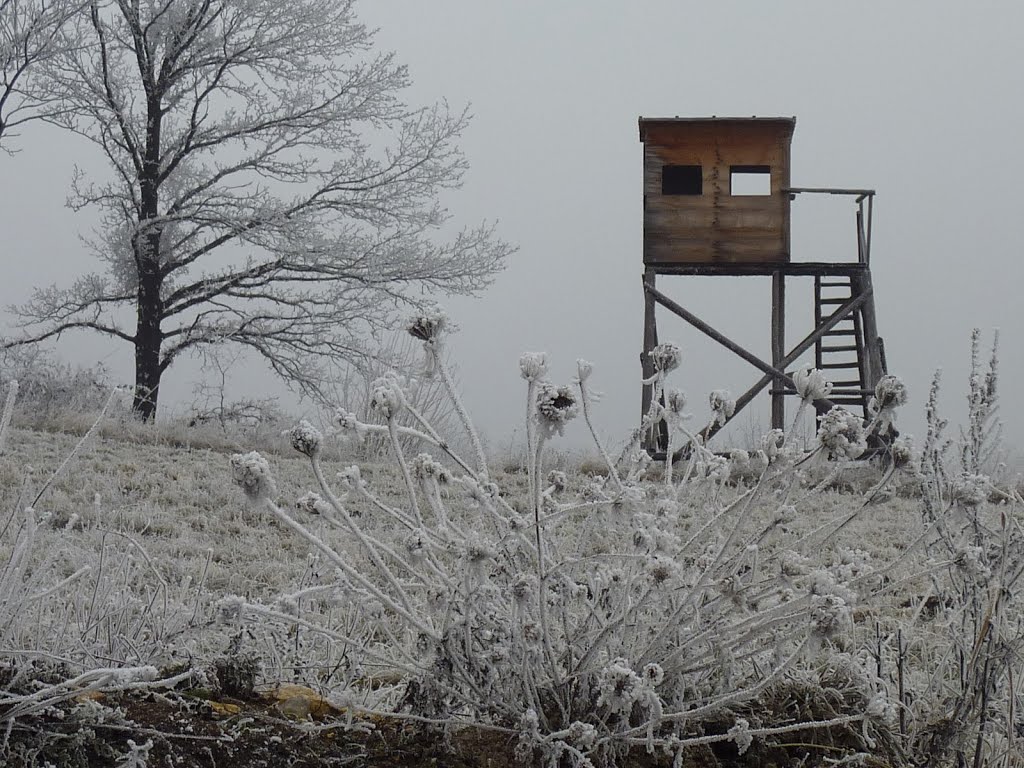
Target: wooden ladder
(832,352)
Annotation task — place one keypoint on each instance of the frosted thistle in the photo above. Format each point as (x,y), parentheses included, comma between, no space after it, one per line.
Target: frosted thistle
(772,443)
(722,406)
(386,396)
(416,546)
(252,473)
(890,392)
(661,569)
(348,424)
(902,452)
(619,686)
(675,402)
(972,561)
(533,366)
(428,325)
(970,489)
(426,467)
(830,616)
(523,588)
(556,406)
(558,480)
(229,609)
(478,557)
(312,503)
(583,371)
(306,439)
(653,674)
(811,384)
(583,735)
(842,433)
(666,357)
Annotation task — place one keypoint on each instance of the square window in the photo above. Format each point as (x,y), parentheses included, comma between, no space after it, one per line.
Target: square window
(682,180)
(751,180)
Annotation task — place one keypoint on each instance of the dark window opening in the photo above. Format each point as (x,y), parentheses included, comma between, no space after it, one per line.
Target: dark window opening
(755,180)
(682,180)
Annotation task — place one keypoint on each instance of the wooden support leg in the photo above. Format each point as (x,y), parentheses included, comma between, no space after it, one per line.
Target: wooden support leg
(646,365)
(778,345)
(874,368)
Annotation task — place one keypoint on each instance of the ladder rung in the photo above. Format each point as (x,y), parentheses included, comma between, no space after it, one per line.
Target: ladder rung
(841,366)
(842,332)
(841,348)
(852,383)
(852,392)
(840,284)
(837,300)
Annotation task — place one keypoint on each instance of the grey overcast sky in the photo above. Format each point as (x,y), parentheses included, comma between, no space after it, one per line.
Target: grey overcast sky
(918,100)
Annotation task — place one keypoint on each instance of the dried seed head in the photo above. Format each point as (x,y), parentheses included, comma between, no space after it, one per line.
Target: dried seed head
(970,489)
(583,371)
(890,392)
(842,433)
(902,451)
(426,467)
(811,384)
(666,357)
(428,325)
(386,396)
(830,615)
(675,401)
(772,443)
(556,406)
(722,405)
(306,439)
(252,473)
(312,503)
(533,366)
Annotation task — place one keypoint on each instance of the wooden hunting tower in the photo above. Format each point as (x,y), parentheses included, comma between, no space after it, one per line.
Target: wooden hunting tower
(717,198)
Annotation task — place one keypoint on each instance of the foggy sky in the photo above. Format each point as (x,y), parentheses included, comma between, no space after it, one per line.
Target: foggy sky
(917,100)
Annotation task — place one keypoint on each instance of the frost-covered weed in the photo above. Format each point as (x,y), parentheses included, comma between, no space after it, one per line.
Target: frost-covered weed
(733,599)
(625,614)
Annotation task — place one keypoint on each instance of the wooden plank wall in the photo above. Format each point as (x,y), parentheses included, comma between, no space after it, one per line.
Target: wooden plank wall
(716,227)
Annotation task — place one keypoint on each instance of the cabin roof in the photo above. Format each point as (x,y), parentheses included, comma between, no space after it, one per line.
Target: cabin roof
(647,122)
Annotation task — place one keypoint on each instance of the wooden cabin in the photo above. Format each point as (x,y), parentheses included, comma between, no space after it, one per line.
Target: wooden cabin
(716,190)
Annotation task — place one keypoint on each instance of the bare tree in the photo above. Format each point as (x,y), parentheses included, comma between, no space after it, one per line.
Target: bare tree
(31,32)
(270,188)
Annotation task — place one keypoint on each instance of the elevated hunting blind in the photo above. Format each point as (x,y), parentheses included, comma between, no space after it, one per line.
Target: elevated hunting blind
(717,197)
(713,190)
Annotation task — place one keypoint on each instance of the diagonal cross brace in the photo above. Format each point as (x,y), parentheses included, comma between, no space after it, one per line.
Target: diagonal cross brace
(770,371)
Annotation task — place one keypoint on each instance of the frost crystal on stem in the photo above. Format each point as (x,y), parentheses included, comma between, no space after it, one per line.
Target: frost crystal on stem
(740,735)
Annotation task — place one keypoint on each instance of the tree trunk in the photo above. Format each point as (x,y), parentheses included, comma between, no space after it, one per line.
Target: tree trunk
(146,247)
(148,340)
